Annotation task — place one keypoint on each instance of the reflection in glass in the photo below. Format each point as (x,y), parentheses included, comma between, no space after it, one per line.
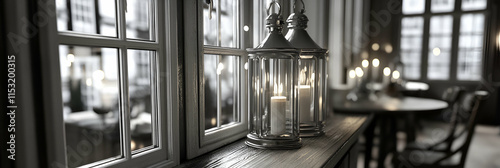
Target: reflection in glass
(223,28)
(90,95)
(470,47)
(442,6)
(440,47)
(140,19)
(87,16)
(221,90)
(411,42)
(468,5)
(140,89)
(413,6)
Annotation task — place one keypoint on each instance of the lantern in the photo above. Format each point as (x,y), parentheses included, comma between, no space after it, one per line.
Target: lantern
(312,76)
(273,90)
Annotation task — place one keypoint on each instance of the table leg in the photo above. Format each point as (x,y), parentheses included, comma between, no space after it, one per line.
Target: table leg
(388,130)
(369,135)
(410,128)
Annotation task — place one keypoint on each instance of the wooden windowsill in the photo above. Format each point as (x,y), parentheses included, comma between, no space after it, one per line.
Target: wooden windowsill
(341,134)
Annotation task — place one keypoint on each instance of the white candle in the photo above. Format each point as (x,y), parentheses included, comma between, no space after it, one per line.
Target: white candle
(278,112)
(375,64)
(387,73)
(305,110)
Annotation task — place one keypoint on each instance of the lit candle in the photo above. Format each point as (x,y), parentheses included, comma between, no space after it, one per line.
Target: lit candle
(387,74)
(359,74)
(365,63)
(306,113)
(278,112)
(375,64)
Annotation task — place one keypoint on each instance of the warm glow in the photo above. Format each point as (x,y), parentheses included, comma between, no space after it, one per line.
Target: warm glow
(395,74)
(246,28)
(278,90)
(365,55)
(213,121)
(246,65)
(132,145)
(388,48)
(70,58)
(220,67)
(98,75)
(88,82)
(375,62)
(498,41)
(352,74)
(436,51)
(365,63)
(359,72)
(375,46)
(387,71)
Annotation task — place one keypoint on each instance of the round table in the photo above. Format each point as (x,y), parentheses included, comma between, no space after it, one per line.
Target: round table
(385,109)
(386,104)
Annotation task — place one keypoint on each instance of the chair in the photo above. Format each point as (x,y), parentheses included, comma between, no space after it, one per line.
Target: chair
(432,158)
(451,96)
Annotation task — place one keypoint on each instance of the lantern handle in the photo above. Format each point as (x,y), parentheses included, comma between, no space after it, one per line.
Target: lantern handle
(271,5)
(303,10)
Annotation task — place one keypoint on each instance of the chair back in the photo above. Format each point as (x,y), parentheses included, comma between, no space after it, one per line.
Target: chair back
(472,122)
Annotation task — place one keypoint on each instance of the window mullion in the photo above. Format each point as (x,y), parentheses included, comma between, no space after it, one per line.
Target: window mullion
(218,88)
(124,92)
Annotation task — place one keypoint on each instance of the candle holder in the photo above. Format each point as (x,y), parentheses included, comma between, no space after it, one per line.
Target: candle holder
(273,93)
(312,76)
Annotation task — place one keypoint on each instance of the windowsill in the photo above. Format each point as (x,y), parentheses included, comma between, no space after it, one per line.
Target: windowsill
(341,133)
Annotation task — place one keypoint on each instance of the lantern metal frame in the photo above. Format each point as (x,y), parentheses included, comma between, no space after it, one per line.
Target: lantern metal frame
(273,117)
(313,75)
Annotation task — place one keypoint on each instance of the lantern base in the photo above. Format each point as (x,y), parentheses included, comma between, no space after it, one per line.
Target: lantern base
(256,142)
(310,131)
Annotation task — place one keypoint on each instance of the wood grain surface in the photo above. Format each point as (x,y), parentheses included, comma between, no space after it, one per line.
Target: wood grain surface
(341,134)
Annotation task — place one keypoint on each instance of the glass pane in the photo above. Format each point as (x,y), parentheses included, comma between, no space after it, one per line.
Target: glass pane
(210,32)
(141,97)
(229,23)
(468,5)
(440,47)
(413,6)
(411,45)
(90,97)
(221,90)
(210,87)
(140,19)
(228,88)
(470,47)
(411,61)
(87,16)
(442,6)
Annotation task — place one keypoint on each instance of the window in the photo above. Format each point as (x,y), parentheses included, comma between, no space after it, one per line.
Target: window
(445,59)
(118,106)
(215,71)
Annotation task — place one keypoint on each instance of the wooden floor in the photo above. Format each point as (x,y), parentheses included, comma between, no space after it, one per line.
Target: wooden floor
(484,151)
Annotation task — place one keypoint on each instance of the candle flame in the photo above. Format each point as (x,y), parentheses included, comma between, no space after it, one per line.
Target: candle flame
(387,71)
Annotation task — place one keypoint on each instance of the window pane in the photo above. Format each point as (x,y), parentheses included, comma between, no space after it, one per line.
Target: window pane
(221,90)
(210,32)
(470,47)
(141,99)
(229,23)
(87,16)
(468,5)
(90,103)
(228,88)
(442,6)
(223,29)
(210,85)
(441,28)
(413,6)
(140,19)
(411,45)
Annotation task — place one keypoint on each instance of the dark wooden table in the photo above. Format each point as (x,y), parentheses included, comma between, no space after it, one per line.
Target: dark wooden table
(341,134)
(385,110)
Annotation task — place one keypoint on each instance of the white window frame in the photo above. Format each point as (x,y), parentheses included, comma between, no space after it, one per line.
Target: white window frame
(457,14)
(199,141)
(167,152)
